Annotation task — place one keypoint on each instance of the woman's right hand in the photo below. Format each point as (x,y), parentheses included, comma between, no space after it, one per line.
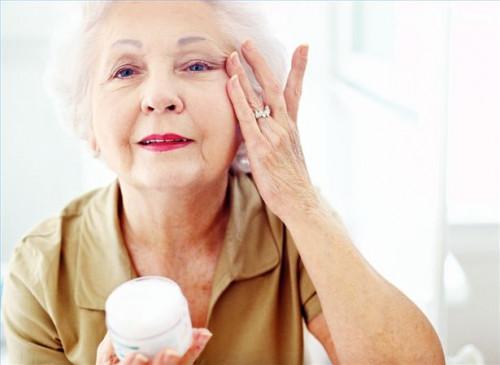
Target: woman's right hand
(106,354)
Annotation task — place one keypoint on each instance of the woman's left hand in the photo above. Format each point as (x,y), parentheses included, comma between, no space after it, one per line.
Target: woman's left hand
(273,146)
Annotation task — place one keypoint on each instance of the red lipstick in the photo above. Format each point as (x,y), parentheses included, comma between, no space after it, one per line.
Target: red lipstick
(164,142)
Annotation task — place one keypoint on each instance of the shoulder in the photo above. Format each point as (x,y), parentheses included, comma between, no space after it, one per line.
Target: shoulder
(36,257)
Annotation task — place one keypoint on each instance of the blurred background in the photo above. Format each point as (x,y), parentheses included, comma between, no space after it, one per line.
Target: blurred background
(400,126)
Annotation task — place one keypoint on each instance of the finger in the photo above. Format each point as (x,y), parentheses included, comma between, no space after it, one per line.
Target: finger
(114,360)
(140,359)
(167,357)
(272,91)
(293,89)
(170,357)
(233,67)
(158,359)
(268,129)
(200,340)
(253,100)
(105,351)
(249,128)
(128,359)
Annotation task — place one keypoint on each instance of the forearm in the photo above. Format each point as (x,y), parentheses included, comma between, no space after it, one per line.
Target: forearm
(370,321)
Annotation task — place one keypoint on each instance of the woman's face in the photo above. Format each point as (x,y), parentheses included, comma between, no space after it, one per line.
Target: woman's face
(161,70)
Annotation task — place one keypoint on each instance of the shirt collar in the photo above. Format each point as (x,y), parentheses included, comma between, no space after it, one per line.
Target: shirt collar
(250,246)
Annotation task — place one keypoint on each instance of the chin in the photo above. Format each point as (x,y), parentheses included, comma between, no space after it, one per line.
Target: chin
(187,176)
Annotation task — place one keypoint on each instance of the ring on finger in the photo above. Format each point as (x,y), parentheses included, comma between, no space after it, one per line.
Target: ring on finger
(262,113)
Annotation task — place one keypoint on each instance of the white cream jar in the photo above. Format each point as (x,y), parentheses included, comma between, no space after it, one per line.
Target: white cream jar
(147,315)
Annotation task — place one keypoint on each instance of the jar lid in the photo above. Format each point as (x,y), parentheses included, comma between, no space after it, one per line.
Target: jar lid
(145,307)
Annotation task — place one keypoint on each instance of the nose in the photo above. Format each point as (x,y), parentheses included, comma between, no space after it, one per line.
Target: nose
(161,97)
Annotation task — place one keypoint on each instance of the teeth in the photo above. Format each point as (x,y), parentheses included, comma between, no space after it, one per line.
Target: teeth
(165,140)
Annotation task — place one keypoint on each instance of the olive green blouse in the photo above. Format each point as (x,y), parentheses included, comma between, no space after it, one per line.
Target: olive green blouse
(62,272)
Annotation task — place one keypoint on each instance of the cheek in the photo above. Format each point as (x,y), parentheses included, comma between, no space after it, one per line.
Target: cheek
(216,116)
(113,120)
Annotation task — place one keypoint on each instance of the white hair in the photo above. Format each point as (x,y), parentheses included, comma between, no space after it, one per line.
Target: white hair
(73,55)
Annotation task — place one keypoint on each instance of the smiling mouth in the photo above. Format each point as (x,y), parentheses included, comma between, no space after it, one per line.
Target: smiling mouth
(164,144)
(163,141)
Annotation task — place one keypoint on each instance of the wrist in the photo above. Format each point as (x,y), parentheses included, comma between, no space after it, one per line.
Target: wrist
(312,212)
(303,209)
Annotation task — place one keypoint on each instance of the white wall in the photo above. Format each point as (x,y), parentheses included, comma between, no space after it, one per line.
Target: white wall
(473,177)
(40,163)
(474,114)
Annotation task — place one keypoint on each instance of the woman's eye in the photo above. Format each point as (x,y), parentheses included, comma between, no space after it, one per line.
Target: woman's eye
(124,73)
(199,66)
(128,72)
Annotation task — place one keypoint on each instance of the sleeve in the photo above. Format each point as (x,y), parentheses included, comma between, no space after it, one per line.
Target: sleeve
(30,334)
(311,306)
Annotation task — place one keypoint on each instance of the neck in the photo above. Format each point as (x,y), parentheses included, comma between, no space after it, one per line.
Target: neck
(174,221)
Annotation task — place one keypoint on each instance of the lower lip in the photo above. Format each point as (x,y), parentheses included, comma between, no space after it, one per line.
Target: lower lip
(164,146)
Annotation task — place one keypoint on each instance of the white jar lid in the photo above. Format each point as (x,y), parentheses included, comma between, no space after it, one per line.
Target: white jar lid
(145,307)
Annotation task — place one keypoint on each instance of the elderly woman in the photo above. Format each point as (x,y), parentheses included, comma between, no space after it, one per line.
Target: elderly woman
(163,94)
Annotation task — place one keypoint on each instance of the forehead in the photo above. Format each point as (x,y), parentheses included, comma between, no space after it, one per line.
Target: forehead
(174,23)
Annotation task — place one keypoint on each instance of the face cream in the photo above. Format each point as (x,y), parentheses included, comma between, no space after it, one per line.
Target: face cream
(148,315)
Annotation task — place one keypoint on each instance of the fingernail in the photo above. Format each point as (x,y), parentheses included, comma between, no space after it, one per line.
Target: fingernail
(235,59)
(248,45)
(169,354)
(205,337)
(141,358)
(304,50)
(205,332)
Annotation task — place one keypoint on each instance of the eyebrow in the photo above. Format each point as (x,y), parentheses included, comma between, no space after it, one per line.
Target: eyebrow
(138,44)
